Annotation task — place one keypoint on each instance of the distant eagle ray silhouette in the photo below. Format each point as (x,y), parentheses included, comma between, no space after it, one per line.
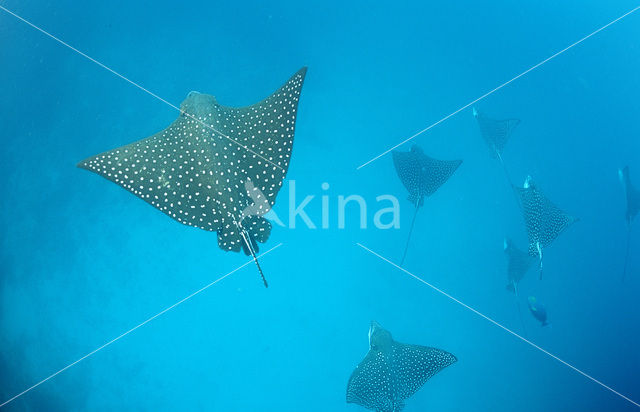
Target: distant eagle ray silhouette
(213,164)
(496,134)
(633,207)
(421,175)
(518,264)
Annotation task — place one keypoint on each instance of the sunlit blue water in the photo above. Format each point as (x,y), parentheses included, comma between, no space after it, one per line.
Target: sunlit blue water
(83,261)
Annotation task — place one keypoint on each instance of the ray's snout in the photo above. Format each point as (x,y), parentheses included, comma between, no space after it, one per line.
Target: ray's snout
(198,104)
(373,328)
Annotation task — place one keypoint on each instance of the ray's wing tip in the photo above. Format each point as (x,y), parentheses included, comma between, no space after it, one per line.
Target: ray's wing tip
(299,75)
(449,357)
(453,358)
(83,164)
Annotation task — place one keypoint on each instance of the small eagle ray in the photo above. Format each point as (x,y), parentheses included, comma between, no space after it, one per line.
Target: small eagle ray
(518,264)
(496,134)
(633,207)
(543,219)
(421,175)
(392,371)
(212,164)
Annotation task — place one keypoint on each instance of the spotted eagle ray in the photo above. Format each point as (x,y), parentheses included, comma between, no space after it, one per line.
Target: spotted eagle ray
(496,134)
(392,371)
(212,164)
(518,264)
(543,219)
(633,207)
(421,175)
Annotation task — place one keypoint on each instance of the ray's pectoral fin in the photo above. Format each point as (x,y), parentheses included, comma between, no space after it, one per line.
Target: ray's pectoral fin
(370,383)
(258,227)
(416,364)
(229,238)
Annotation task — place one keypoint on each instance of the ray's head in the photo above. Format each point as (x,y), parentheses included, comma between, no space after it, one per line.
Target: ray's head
(379,338)
(199,105)
(416,149)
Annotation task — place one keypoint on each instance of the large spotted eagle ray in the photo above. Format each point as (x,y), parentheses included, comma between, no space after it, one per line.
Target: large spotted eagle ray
(543,219)
(633,207)
(392,371)
(216,168)
(421,175)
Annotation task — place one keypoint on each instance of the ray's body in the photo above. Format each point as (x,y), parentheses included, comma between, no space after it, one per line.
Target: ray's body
(213,164)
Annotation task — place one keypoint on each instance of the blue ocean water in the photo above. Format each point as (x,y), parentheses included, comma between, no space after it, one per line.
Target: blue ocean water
(83,261)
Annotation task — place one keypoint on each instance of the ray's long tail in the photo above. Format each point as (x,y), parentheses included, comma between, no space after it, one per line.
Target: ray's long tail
(508,177)
(255,259)
(253,254)
(413,221)
(626,255)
